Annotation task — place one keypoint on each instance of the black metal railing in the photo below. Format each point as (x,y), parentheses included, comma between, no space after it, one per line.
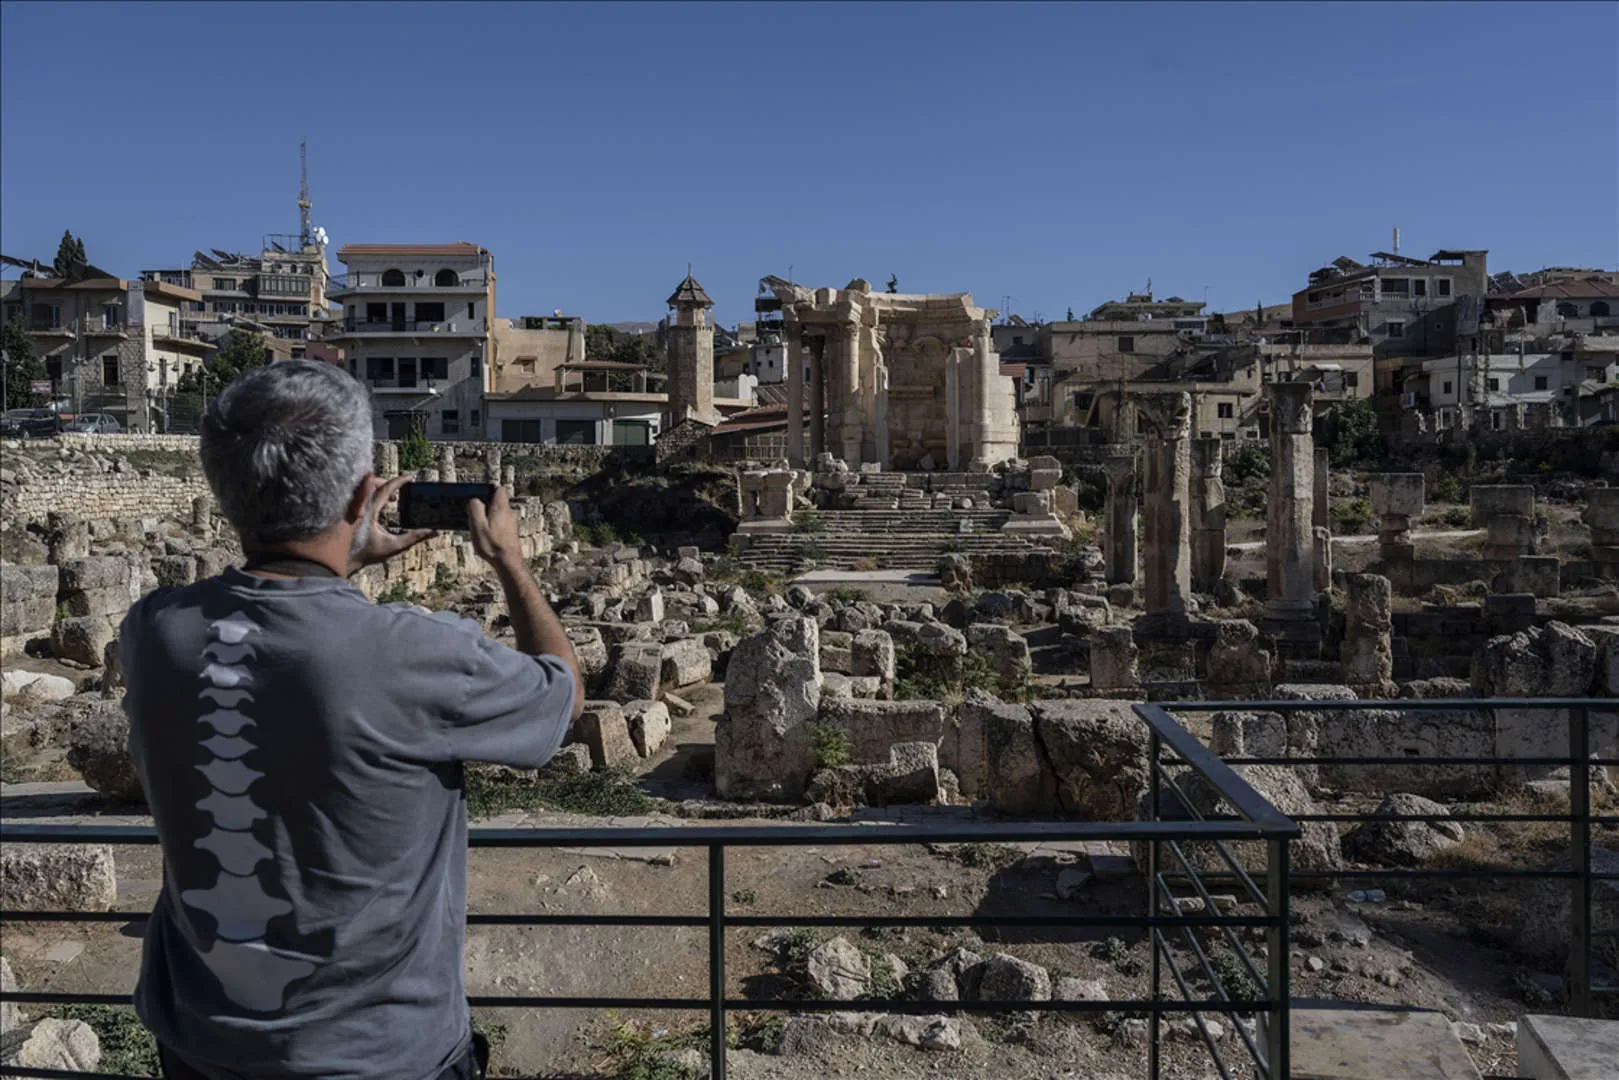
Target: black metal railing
(1256,821)
(1580,758)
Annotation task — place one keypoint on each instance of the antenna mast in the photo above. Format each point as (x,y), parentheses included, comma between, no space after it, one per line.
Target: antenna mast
(306,233)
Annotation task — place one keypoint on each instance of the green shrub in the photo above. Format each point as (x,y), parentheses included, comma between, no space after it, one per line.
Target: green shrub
(443,576)
(1357,437)
(1352,515)
(1455,517)
(981,856)
(397,593)
(844,875)
(1234,976)
(1449,489)
(847,594)
(760,583)
(830,745)
(1248,463)
(126,1046)
(415,452)
(744,897)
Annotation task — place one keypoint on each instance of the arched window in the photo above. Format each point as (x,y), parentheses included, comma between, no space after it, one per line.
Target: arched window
(446,278)
(1567,310)
(393,278)
(1599,309)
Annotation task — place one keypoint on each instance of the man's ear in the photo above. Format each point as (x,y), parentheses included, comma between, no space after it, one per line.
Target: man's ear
(362,495)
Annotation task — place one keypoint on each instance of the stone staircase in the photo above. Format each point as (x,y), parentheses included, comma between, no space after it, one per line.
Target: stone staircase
(909,537)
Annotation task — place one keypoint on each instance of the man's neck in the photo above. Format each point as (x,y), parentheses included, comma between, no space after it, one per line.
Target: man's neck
(330,552)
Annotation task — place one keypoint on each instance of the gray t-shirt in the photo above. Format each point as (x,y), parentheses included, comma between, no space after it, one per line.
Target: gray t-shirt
(301,750)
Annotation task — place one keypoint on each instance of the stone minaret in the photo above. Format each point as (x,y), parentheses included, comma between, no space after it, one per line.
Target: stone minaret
(691,356)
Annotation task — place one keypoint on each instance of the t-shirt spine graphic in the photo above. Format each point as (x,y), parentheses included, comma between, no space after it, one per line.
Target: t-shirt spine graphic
(253,974)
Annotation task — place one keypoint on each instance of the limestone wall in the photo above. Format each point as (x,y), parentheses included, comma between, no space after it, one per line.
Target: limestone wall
(129,494)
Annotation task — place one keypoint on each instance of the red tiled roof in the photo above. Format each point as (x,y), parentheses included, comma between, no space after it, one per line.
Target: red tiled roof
(1590,288)
(460,247)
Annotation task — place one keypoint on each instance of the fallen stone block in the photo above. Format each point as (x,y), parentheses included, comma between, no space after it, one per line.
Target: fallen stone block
(604,729)
(649,725)
(99,749)
(69,1045)
(82,639)
(637,671)
(686,662)
(63,877)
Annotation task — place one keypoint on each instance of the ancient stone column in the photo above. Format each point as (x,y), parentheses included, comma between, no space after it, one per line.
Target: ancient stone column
(1321,506)
(817,395)
(1396,499)
(446,463)
(953,361)
(793,356)
(1119,524)
(1289,528)
(852,428)
(1208,513)
(1166,490)
(1507,511)
(1367,654)
(1322,547)
(1602,515)
(491,465)
(385,459)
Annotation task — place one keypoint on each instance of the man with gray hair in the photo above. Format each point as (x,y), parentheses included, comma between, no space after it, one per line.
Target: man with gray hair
(301,750)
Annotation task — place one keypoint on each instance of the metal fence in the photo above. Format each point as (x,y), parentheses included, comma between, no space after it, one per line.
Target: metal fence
(1174,932)
(1582,756)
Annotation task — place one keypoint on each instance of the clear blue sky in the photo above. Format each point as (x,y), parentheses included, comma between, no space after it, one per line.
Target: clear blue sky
(1059,154)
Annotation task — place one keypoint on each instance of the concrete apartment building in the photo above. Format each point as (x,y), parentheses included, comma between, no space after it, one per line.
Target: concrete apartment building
(109,344)
(417,327)
(1400,306)
(1117,342)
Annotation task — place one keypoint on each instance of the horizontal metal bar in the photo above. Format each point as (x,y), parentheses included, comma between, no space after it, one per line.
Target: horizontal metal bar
(1562,819)
(63,1074)
(1396,705)
(1564,762)
(1529,874)
(756,835)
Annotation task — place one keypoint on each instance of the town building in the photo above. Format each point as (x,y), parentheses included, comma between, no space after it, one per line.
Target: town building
(417,325)
(1400,306)
(1119,341)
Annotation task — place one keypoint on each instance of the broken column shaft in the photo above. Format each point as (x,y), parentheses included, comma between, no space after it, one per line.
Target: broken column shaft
(1289,522)
(1166,490)
(1119,528)
(1208,514)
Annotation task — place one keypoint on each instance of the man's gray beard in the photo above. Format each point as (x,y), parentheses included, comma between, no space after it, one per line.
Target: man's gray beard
(362,532)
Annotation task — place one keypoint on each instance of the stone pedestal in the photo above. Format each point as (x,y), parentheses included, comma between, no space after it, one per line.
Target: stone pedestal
(1367,653)
(387,460)
(508,477)
(1507,512)
(765,501)
(491,465)
(1166,490)
(1602,515)
(1114,659)
(1290,532)
(1032,515)
(446,464)
(1397,499)
(1208,513)
(1119,518)
(1322,549)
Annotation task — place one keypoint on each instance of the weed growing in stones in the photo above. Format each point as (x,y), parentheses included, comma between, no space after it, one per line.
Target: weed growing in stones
(397,593)
(1116,952)
(844,875)
(1352,515)
(1530,992)
(847,594)
(126,1046)
(744,896)
(760,583)
(1234,975)
(443,576)
(793,949)
(733,622)
(830,745)
(640,1054)
(885,982)
(762,1035)
(809,524)
(982,856)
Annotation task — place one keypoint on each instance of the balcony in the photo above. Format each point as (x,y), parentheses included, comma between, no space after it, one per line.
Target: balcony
(371,281)
(98,326)
(353,327)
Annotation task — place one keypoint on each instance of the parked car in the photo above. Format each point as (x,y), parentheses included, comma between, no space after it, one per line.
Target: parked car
(28,424)
(93,424)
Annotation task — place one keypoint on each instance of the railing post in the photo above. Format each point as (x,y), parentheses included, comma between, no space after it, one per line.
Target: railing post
(716,961)
(1579,811)
(1278,1065)
(1154,749)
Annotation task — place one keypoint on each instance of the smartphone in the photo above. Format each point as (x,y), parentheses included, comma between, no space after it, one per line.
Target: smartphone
(440,506)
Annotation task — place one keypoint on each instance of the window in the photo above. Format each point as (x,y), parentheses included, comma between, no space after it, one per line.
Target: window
(632,433)
(407,371)
(376,313)
(1568,311)
(109,371)
(1442,286)
(1228,436)
(1446,389)
(1495,421)
(577,432)
(1251,433)
(1127,344)
(1225,411)
(520,431)
(474,419)
(430,312)
(379,367)
(469,309)
(435,367)
(109,315)
(1495,385)
(1594,373)
(446,279)
(393,279)
(1397,328)
(1419,286)
(477,365)
(1351,379)
(53,368)
(1398,286)
(1017,339)
(449,422)
(1600,309)
(225,284)
(53,316)
(1540,382)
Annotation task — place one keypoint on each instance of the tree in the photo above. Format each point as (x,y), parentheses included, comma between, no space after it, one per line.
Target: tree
(22,366)
(1357,437)
(69,252)
(893,283)
(242,351)
(600,340)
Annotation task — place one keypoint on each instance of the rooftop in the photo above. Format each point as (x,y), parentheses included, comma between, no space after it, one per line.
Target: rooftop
(459,248)
(689,292)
